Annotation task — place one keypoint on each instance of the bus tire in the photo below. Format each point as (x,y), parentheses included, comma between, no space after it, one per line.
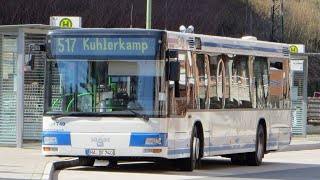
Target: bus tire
(192,162)
(255,158)
(85,161)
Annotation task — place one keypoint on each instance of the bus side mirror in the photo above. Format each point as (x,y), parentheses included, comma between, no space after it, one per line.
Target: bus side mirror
(174,71)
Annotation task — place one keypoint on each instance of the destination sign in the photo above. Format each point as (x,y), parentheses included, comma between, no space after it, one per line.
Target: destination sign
(102,47)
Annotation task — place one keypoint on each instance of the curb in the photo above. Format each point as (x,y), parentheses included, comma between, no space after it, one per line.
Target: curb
(301,147)
(58,165)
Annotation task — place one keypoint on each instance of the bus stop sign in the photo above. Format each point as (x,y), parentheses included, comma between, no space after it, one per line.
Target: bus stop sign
(66,21)
(297,48)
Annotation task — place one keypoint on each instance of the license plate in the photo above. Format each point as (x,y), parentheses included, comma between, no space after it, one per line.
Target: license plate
(100,152)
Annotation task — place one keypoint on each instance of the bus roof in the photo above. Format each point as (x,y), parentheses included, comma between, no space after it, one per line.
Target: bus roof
(226,45)
(194,42)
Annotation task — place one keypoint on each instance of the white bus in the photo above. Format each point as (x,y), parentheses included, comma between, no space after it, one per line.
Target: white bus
(135,94)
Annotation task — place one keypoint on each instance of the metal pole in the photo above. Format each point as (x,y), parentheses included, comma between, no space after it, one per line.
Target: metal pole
(20,89)
(305,96)
(272,20)
(148,18)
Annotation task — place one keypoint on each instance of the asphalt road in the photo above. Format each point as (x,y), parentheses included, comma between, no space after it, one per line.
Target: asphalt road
(289,165)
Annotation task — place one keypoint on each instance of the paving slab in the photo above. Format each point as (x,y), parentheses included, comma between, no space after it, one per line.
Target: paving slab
(23,163)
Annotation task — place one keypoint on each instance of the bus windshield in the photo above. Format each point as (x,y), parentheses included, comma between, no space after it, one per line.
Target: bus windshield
(122,87)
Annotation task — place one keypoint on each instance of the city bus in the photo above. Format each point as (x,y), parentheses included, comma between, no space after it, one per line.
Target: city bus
(157,95)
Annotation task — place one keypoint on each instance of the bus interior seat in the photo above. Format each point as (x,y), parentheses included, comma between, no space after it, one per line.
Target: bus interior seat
(215,103)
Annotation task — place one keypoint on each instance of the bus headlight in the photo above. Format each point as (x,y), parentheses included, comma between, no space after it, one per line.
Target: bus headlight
(152,141)
(148,139)
(49,140)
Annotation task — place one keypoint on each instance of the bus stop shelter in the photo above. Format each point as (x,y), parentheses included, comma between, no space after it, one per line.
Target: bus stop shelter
(21,89)
(299,94)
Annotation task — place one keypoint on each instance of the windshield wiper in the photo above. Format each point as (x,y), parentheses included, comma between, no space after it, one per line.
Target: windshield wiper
(145,117)
(57,116)
(54,117)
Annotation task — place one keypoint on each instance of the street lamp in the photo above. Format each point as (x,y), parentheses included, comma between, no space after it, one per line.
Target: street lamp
(148,15)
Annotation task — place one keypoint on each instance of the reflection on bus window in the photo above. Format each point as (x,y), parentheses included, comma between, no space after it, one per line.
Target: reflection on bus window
(181,92)
(240,84)
(261,77)
(279,85)
(215,83)
(177,89)
(202,81)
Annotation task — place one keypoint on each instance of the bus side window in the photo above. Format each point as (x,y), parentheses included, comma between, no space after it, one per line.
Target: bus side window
(201,81)
(171,93)
(232,95)
(229,94)
(180,86)
(241,71)
(177,89)
(215,84)
(286,85)
(276,83)
(261,81)
(190,81)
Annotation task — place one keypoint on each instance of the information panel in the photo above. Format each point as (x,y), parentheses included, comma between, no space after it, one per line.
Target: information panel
(102,47)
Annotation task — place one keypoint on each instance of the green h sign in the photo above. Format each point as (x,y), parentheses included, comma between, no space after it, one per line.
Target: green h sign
(65,22)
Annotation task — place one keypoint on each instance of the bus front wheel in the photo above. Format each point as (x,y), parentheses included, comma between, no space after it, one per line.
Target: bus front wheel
(192,162)
(86,161)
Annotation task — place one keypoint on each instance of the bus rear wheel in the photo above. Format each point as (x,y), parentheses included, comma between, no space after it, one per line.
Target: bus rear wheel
(255,158)
(192,162)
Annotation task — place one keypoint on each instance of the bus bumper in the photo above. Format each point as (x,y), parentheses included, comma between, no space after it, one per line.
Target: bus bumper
(105,145)
(68,151)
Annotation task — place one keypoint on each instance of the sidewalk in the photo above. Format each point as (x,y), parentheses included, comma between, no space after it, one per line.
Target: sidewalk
(311,139)
(28,163)
(25,163)
(304,143)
